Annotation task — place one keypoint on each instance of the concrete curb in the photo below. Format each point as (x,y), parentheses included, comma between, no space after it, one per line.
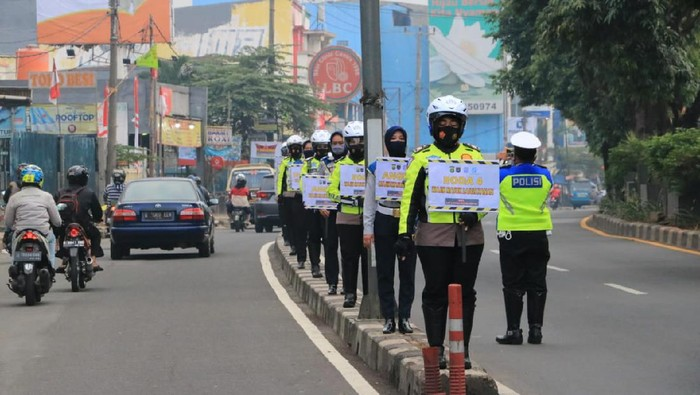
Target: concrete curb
(397,357)
(676,237)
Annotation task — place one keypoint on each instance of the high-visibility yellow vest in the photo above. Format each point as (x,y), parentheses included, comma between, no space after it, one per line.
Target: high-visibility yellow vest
(524,194)
(334,188)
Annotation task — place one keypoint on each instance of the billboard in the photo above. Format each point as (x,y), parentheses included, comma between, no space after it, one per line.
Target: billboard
(181,132)
(9,122)
(87,21)
(72,118)
(263,149)
(462,58)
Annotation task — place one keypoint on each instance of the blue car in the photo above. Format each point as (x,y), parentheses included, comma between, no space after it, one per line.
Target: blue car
(581,193)
(165,213)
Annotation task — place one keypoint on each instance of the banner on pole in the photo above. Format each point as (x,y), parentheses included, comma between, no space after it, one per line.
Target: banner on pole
(463,185)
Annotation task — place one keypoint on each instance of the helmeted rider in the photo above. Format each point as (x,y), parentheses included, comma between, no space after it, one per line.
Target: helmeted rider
(198,181)
(239,196)
(88,212)
(12,188)
(113,191)
(33,208)
(320,142)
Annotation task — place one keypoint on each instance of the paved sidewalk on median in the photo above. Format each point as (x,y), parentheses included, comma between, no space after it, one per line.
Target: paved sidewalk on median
(397,357)
(668,235)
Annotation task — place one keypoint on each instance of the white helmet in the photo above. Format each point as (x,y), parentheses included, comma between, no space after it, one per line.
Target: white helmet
(447,105)
(321,136)
(294,140)
(354,129)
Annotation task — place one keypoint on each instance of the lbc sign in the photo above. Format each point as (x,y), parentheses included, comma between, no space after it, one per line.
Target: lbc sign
(336,72)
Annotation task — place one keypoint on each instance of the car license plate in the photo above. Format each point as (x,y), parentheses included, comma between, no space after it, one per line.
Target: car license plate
(74,243)
(158,215)
(24,256)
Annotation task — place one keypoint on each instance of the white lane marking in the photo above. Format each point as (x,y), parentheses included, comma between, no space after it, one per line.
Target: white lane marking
(625,289)
(559,269)
(349,373)
(496,252)
(505,390)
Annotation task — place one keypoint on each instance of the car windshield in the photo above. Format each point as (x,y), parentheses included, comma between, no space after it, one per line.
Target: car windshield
(160,190)
(581,186)
(254,178)
(268,183)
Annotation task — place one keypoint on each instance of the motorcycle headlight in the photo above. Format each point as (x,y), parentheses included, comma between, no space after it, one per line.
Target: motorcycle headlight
(28,268)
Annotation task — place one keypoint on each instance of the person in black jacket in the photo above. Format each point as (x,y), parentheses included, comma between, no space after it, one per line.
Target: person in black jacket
(88,212)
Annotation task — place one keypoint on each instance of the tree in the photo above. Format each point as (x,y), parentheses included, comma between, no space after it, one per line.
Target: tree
(253,85)
(610,66)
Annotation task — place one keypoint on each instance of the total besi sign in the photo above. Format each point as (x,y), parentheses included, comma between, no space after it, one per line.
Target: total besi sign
(263,149)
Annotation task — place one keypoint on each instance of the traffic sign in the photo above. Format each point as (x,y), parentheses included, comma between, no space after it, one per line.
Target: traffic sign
(217,163)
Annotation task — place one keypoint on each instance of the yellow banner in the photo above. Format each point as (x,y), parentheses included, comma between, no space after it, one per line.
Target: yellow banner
(181,132)
(71,118)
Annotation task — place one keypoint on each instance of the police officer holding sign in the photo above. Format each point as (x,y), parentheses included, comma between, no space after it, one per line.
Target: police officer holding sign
(523,222)
(381,225)
(320,142)
(349,217)
(449,244)
(290,197)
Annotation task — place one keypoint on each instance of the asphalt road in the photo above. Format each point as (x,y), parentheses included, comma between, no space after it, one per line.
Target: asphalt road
(166,323)
(597,339)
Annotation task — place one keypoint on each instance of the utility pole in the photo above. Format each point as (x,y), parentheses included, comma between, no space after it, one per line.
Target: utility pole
(271,26)
(417,94)
(113,64)
(152,126)
(373,110)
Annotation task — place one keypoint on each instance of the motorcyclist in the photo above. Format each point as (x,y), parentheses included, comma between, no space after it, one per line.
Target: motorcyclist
(113,191)
(239,196)
(88,212)
(205,192)
(12,188)
(33,208)
(555,196)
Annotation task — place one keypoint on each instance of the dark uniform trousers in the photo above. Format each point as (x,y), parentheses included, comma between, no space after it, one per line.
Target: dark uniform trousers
(295,216)
(330,249)
(314,230)
(386,229)
(443,266)
(283,220)
(351,253)
(524,269)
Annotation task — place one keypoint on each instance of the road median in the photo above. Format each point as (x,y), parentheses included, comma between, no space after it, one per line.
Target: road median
(397,357)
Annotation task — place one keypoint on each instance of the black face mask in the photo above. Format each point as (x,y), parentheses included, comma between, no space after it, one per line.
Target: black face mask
(295,152)
(321,152)
(396,148)
(450,140)
(357,153)
(308,153)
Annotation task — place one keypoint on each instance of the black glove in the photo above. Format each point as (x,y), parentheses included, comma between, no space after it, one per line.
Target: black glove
(468,219)
(404,245)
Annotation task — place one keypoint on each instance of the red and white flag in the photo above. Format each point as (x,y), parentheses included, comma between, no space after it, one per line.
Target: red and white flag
(104,121)
(136,111)
(55,90)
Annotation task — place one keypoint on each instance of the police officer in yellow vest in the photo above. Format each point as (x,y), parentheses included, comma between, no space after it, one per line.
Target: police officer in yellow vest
(349,217)
(291,198)
(320,144)
(449,244)
(523,222)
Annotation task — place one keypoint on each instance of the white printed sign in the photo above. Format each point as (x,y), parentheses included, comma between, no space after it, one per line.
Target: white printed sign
(293,177)
(389,178)
(463,185)
(315,194)
(352,180)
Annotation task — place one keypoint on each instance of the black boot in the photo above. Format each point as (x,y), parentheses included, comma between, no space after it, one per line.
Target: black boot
(300,265)
(332,289)
(316,271)
(467,323)
(389,326)
(350,300)
(514,309)
(435,323)
(405,326)
(535,315)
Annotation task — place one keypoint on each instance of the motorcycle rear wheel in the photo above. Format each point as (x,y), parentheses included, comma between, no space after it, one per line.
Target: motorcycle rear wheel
(30,292)
(74,274)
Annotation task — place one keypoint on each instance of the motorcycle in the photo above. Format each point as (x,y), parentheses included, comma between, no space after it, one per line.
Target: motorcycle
(30,271)
(79,264)
(554,202)
(237,219)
